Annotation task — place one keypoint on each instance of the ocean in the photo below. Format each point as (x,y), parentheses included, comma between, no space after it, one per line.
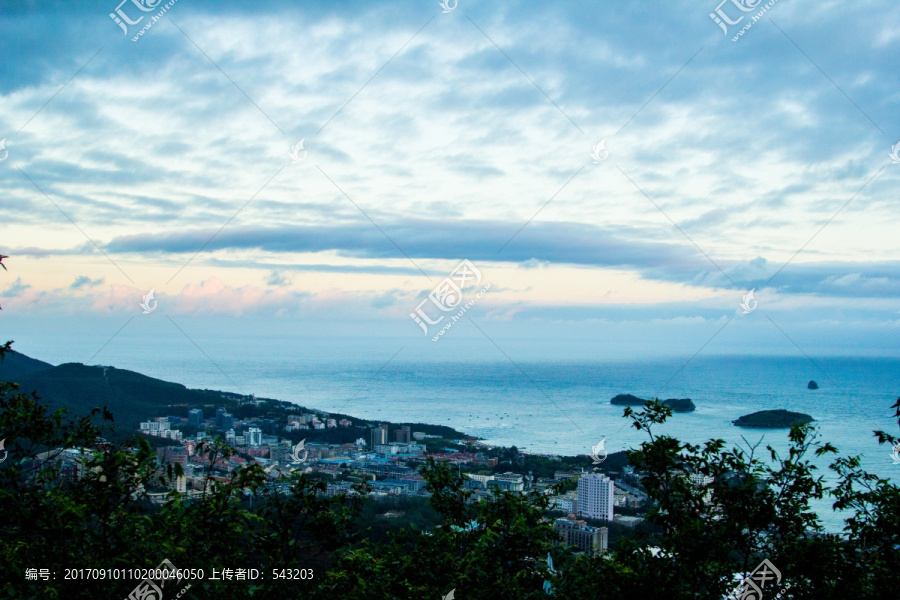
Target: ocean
(544,405)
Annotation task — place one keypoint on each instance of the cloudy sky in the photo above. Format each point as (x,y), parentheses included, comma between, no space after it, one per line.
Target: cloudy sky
(163,161)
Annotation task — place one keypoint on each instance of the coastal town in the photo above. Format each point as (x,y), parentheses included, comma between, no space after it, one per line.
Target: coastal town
(386,459)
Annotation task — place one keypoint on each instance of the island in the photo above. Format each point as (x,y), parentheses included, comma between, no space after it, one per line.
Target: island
(680,404)
(628,400)
(676,404)
(812,385)
(770,419)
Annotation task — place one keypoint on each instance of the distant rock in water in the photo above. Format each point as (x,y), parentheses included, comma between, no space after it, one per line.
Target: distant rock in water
(773,419)
(628,400)
(680,404)
(812,385)
(676,404)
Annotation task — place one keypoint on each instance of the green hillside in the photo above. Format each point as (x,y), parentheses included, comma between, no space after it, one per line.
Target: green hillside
(130,396)
(16,365)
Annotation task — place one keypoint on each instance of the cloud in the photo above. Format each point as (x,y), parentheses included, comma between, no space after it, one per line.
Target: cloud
(83,282)
(278,278)
(571,243)
(533,263)
(16,289)
(539,244)
(450,149)
(387,299)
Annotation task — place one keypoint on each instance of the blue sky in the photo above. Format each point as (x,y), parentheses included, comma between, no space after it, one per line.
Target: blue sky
(432,137)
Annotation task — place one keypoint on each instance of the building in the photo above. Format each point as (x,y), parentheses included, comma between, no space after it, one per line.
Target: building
(154,427)
(224,419)
(587,539)
(403,435)
(254,436)
(401,448)
(703,483)
(195,417)
(379,435)
(626,521)
(479,481)
(596,496)
(567,503)
(173,454)
(485,461)
(508,482)
(387,449)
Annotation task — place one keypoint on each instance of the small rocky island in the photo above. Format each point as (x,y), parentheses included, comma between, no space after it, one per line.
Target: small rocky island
(812,385)
(628,400)
(676,404)
(773,419)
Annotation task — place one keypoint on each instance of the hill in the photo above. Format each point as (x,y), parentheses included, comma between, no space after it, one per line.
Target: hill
(16,365)
(132,397)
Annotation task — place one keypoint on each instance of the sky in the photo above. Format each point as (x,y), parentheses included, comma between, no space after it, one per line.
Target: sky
(621,175)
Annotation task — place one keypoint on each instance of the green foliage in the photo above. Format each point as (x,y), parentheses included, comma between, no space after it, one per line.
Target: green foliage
(482,550)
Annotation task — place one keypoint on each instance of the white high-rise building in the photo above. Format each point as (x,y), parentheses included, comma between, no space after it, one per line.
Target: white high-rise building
(595,496)
(254,437)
